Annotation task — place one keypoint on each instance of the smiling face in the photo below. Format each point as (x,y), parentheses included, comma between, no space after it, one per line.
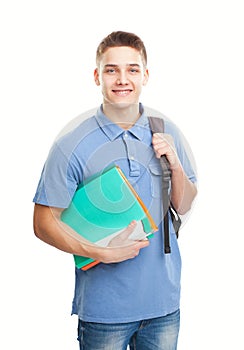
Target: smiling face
(122,75)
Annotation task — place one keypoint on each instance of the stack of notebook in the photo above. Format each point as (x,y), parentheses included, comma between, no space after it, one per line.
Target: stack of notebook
(102,207)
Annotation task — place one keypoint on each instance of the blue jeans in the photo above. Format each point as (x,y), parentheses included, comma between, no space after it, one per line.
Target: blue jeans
(154,334)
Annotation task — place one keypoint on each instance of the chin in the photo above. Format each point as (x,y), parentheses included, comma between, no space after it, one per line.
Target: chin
(122,104)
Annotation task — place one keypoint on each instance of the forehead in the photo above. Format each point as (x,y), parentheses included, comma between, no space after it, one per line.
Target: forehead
(121,55)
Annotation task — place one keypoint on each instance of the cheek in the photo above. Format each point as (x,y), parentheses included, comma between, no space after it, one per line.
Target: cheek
(140,82)
(139,86)
(103,83)
(107,83)
(105,89)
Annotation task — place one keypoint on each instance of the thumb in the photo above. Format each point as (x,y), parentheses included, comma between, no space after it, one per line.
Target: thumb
(128,230)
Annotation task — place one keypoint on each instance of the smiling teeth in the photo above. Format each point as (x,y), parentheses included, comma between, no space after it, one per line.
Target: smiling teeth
(122,92)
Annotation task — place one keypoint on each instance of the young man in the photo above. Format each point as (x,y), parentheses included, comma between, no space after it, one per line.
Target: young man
(131,297)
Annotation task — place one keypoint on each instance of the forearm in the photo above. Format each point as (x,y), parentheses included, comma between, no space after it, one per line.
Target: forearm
(49,228)
(183,191)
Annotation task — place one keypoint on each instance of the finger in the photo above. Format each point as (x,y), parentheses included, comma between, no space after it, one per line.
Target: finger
(125,253)
(129,229)
(161,149)
(142,244)
(157,138)
(139,246)
(133,253)
(159,135)
(165,138)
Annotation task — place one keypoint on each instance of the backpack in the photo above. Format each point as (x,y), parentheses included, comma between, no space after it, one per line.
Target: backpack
(157,126)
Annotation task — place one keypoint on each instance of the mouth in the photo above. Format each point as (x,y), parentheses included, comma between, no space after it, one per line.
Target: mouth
(122,93)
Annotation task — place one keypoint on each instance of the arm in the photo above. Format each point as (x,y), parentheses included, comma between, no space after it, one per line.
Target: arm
(183,190)
(49,228)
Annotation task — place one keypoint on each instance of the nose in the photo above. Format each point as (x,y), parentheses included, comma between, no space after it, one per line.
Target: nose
(122,78)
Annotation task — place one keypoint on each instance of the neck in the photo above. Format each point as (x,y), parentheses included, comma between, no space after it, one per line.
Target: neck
(124,116)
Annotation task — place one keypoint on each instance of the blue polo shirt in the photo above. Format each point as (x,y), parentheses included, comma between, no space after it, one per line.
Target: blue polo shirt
(147,286)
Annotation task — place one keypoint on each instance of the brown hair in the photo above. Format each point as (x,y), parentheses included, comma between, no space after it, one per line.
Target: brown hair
(120,38)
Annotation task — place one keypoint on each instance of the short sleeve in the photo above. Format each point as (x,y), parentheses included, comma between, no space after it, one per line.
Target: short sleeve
(58,183)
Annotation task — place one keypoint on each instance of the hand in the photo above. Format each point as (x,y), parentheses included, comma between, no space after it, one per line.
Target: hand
(133,232)
(163,144)
(122,247)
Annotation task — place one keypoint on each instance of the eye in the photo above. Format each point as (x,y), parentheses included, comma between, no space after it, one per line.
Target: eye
(134,70)
(110,70)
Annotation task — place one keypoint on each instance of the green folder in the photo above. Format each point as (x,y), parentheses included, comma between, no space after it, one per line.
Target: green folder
(102,206)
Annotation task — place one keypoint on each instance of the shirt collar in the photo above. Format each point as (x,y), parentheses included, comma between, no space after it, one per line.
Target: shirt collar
(113,131)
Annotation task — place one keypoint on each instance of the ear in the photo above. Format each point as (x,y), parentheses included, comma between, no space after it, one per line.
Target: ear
(146,77)
(96,77)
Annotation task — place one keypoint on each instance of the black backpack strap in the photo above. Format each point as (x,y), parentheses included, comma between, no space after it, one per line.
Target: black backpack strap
(157,125)
(176,220)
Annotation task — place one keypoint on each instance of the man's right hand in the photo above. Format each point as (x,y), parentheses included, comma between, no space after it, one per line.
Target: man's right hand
(122,247)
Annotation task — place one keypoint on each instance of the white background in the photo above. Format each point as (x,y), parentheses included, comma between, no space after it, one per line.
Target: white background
(195,51)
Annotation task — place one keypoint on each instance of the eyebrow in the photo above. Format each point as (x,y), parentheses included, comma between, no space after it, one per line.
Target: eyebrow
(128,65)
